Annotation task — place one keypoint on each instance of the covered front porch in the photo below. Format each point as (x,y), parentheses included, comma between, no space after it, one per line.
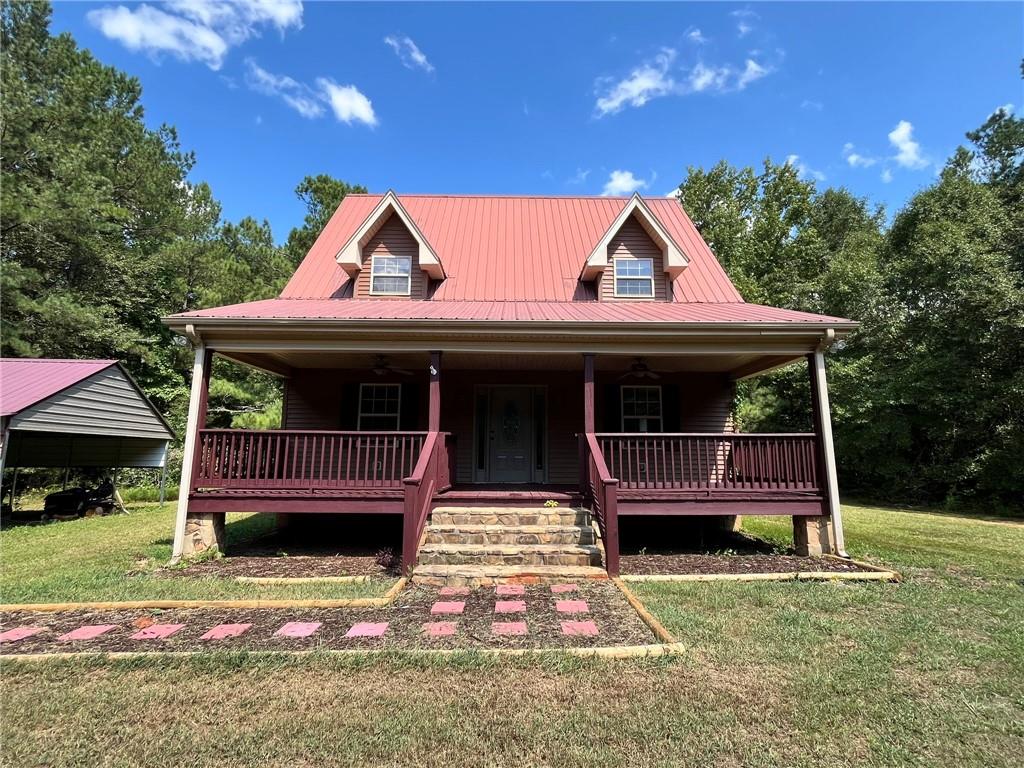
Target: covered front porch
(402,432)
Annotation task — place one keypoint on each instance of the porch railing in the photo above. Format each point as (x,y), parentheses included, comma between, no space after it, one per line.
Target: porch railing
(283,459)
(721,461)
(431,474)
(602,492)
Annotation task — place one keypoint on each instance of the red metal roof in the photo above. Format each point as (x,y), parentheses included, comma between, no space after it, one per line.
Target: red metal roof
(26,382)
(497,248)
(497,311)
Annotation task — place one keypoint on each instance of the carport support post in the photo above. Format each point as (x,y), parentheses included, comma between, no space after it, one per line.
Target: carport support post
(809,534)
(196,421)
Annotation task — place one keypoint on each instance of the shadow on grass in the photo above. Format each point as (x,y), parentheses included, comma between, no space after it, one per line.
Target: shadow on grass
(696,536)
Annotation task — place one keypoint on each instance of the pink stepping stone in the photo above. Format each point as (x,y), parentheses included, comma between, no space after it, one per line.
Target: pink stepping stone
(439,628)
(508,627)
(298,629)
(453,591)
(443,607)
(367,629)
(224,631)
(510,606)
(19,633)
(511,590)
(579,628)
(559,589)
(88,632)
(572,606)
(156,632)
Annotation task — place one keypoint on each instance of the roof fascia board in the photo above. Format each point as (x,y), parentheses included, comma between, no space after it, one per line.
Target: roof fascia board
(675,259)
(350,256)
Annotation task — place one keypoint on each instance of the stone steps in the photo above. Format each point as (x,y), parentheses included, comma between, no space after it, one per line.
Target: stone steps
(486,575)
(509,554)
(487,545)
(509,534)
(512,516)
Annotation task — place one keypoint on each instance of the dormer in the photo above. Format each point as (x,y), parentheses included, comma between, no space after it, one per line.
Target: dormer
(388,257)
(636,258)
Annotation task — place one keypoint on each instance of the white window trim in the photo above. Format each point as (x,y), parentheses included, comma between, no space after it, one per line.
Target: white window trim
(615,277)
(397,414)
(408,277)
(622,405)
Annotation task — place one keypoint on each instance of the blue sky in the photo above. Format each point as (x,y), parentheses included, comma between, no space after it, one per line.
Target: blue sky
(556,98)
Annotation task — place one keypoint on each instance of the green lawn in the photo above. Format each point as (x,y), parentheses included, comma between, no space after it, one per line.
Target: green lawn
(929,672)
(113,558)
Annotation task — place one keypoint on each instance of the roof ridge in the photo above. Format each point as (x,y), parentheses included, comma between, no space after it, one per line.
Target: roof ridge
(509,196)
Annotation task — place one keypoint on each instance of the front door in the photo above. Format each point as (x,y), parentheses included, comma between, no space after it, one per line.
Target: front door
(510,435)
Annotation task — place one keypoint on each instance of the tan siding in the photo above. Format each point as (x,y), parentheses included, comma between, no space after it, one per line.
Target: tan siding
(633,242)
(392,239)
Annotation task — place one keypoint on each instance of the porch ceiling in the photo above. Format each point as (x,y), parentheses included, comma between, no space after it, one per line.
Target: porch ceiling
(282,362)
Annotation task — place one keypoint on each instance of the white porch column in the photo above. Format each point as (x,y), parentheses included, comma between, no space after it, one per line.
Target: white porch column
(823,427)
(196,407)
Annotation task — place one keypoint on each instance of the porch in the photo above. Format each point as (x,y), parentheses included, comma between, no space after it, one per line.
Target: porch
(505,432)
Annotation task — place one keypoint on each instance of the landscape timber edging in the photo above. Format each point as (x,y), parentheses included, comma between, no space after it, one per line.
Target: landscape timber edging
(284,580)
(603,652)
(872,575)
(649,618)
(355,602)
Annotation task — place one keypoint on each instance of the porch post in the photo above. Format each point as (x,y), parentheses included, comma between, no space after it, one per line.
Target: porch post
(588,418)
(434,412)
(197,404)
(827,451)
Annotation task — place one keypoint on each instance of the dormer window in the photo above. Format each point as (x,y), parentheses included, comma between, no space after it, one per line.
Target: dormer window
(634,278)
(391,275)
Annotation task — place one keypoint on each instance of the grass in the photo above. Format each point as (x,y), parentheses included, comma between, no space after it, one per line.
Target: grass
(929,672)
(114,557)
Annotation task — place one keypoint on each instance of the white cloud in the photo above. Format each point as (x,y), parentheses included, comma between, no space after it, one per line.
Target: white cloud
(1007,108)
(886,176)
(744,21)
(813,106)
(702,78)
(347,102)
(694,35)
(908,151)
(751,71)
(194,30)
(579,177)
(856,160)
(802,169)
(296,95)
(622,183)
(408,52)
(648,81)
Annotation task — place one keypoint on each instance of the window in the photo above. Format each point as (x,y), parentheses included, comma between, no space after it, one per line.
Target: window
(379,406)
(634,277)
(391,275)
(641,409)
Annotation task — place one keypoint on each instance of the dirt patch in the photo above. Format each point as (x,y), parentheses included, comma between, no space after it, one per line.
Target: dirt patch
(677,563)
(616,621)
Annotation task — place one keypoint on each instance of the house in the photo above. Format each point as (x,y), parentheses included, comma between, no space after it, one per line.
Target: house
(475,352)
(77,413)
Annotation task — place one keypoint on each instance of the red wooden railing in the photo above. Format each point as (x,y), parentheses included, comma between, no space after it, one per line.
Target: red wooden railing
(602,492)
(283,459)
(702,461)
(431,474)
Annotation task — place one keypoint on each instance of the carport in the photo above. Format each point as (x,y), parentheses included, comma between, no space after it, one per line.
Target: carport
(78,414)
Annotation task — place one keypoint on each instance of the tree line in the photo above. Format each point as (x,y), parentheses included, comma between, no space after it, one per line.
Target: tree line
(102,233)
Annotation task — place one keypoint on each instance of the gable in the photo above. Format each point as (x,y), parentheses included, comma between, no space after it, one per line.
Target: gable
(510,248)
(391,239)
(632,241)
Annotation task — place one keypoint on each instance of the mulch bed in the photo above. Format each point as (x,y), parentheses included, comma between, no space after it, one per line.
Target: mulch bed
(676,563)
(355,562)
(617,623)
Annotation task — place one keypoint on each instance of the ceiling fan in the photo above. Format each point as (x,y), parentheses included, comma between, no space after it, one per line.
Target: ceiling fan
(383,366)
(640,370)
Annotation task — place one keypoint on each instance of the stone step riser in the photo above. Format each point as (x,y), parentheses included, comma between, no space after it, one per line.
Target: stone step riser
(464,580)
(525,557)
(514,518)
(577,535)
